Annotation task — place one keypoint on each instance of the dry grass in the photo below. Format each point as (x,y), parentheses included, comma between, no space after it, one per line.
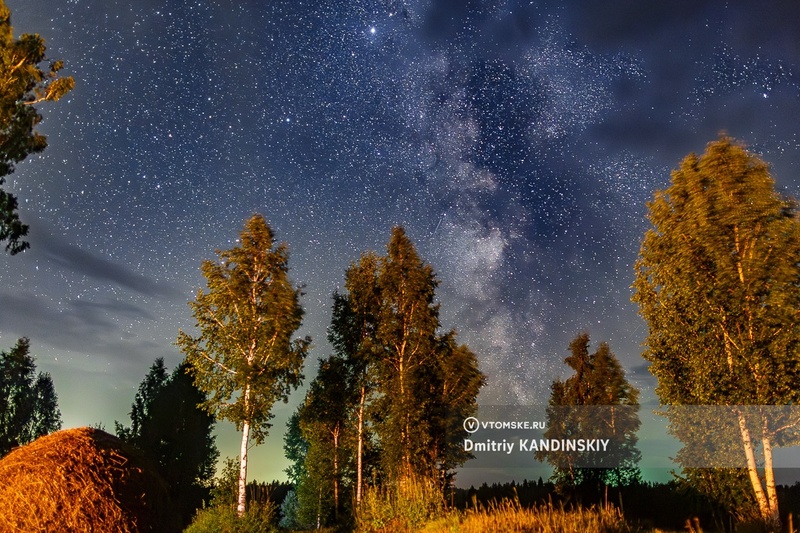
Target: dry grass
(81,480)
(510,517)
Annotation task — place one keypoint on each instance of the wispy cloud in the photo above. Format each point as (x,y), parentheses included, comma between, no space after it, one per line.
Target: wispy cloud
(74,258)
(81,327)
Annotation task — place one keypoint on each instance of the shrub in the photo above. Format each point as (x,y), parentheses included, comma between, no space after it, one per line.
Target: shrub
(406,506)
(223,519)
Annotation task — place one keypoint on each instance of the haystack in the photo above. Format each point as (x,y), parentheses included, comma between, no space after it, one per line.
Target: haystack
(82,480)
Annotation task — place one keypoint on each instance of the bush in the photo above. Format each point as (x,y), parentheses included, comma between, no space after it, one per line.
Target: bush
(404,507)
(223,519)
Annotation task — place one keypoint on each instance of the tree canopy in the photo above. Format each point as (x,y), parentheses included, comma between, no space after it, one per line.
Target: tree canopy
(388,406)
(597,401)
(717,283)
(168,426)
(23,84)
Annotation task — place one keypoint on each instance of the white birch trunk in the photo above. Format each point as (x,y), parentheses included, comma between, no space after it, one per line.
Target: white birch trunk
(769,478)
(752,469)
(242,500)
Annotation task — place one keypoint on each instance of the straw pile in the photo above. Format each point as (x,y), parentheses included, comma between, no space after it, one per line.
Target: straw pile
(82,480)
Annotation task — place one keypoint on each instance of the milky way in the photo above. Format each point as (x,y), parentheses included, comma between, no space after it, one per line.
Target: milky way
(517,142)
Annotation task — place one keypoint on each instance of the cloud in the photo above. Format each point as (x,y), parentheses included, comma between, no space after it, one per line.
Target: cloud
(71,257)
(82,327)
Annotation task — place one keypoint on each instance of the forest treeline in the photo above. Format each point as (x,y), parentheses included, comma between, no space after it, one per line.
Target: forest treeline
(717,282)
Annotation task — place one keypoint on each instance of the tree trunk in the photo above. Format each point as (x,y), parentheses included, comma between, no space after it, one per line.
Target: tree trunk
(242,500)
(360,452)
(769,477)
(752,468)
(405,460)
(241,505)
(336,473)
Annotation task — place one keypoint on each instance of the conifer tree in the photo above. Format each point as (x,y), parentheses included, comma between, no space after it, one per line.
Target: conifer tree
(28,401)
(170,428)
(23,84)
(150,387)
(245,358)
(295,446)
(717,283)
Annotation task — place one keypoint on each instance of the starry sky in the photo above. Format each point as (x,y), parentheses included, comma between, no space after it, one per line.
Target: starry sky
(517,143)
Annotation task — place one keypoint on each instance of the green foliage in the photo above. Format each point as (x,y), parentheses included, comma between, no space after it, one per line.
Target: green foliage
(245,358)
(406,506)
(427,382)
(595,402)
(169,428)
(23,83)
(406,333)
(224,519)
(289,510)
(389,404)
(28,401)
(149,389)
(295,446)
(324,422)
(716,281)
(225,489)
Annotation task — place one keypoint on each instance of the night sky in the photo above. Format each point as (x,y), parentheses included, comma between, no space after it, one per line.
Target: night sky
(517,142)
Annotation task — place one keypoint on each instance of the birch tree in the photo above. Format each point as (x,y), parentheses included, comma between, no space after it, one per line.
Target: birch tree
(717,282)
(597,401)
(352,334)
(245,358)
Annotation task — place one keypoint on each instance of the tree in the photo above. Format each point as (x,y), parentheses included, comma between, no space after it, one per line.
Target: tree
(295,446)
(22,85)
(354,324)
(244,358)
(168,427)
(717,282)
(324,422)
(425,383)
(389,404)
(150,387)
(407,325)
(452,388)
(597,401)
(28,401)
